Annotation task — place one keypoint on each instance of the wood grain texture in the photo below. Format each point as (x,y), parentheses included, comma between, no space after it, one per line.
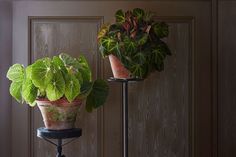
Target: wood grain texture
(161,113)
(159,107)
(110,134)
(74,36)
(226,80)
(5,62)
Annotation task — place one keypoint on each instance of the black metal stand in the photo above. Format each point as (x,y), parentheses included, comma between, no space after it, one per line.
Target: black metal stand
(125,112)
(59,135)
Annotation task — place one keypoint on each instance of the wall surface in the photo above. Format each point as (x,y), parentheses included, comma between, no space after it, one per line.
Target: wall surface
(5,61)
(227,79)
(172,116)
(226,120)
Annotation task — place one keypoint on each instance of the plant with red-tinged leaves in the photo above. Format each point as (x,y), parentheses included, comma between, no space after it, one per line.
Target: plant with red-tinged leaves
(137,40)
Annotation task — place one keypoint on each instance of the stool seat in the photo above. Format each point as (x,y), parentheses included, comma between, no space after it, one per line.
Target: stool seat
(50,135)
(59,134)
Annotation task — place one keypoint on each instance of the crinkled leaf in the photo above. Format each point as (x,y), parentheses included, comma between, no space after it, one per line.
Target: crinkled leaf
(113,31)
(16,73)
(148,16)
(29,91)
(103,31)
(126,61)
(159,54)
(158,58)
(79,76)
(143,40)
(84,69)
(120,16)
(56,88)
(139,13)
(72,88)
(130,45)
(42,73)
(69,61)
(163,48)
(139,58)
(97,96)
(139,70)
(15,90)
(107,45)
(161,29)
(58,63)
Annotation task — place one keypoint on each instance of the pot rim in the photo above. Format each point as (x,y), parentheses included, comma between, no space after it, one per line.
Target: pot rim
(59,101)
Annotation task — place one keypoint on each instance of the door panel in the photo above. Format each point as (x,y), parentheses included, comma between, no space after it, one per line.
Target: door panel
(75,36)
(169,113)
(161,107)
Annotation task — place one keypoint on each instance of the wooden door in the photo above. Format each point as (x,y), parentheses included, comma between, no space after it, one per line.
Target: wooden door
(170,113)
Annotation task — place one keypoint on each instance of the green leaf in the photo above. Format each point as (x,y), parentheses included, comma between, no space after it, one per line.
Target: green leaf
(59,64)
(143,40)
(98,95)
(104,29)
(42,73)
(161,29)
(28,71)
(69,61)
(15,90)
(130,46)
(139,71)
(120,16)
(56,88)
(84,69)
(72,88)
(33,104)
(108,45)
(114,27)
(139,58)
(29,91)
(85,90)
(148,16)
(163,48)
(79,76)
(159,54)
(16,73)
(139,13)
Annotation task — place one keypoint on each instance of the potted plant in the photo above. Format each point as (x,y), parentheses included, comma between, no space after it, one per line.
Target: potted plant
(134,44)
(58,86)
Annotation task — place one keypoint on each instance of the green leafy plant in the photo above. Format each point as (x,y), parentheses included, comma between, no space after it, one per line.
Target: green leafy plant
(137,40)
(60,77)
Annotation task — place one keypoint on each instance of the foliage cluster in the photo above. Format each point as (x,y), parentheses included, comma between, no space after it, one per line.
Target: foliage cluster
(137,40)
(60,77)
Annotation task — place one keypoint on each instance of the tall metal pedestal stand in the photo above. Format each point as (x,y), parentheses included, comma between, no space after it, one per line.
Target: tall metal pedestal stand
(125,120)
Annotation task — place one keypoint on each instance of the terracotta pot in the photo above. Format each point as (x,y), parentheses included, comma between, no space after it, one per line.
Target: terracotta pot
(118,69)
(60,114)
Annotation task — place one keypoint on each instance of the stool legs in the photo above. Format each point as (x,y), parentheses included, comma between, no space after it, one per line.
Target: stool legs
(59,148)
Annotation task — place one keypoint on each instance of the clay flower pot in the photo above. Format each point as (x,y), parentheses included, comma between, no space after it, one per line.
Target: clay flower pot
(118,69)
(60,114)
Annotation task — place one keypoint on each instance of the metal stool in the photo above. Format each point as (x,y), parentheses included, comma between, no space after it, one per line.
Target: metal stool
(59,135)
